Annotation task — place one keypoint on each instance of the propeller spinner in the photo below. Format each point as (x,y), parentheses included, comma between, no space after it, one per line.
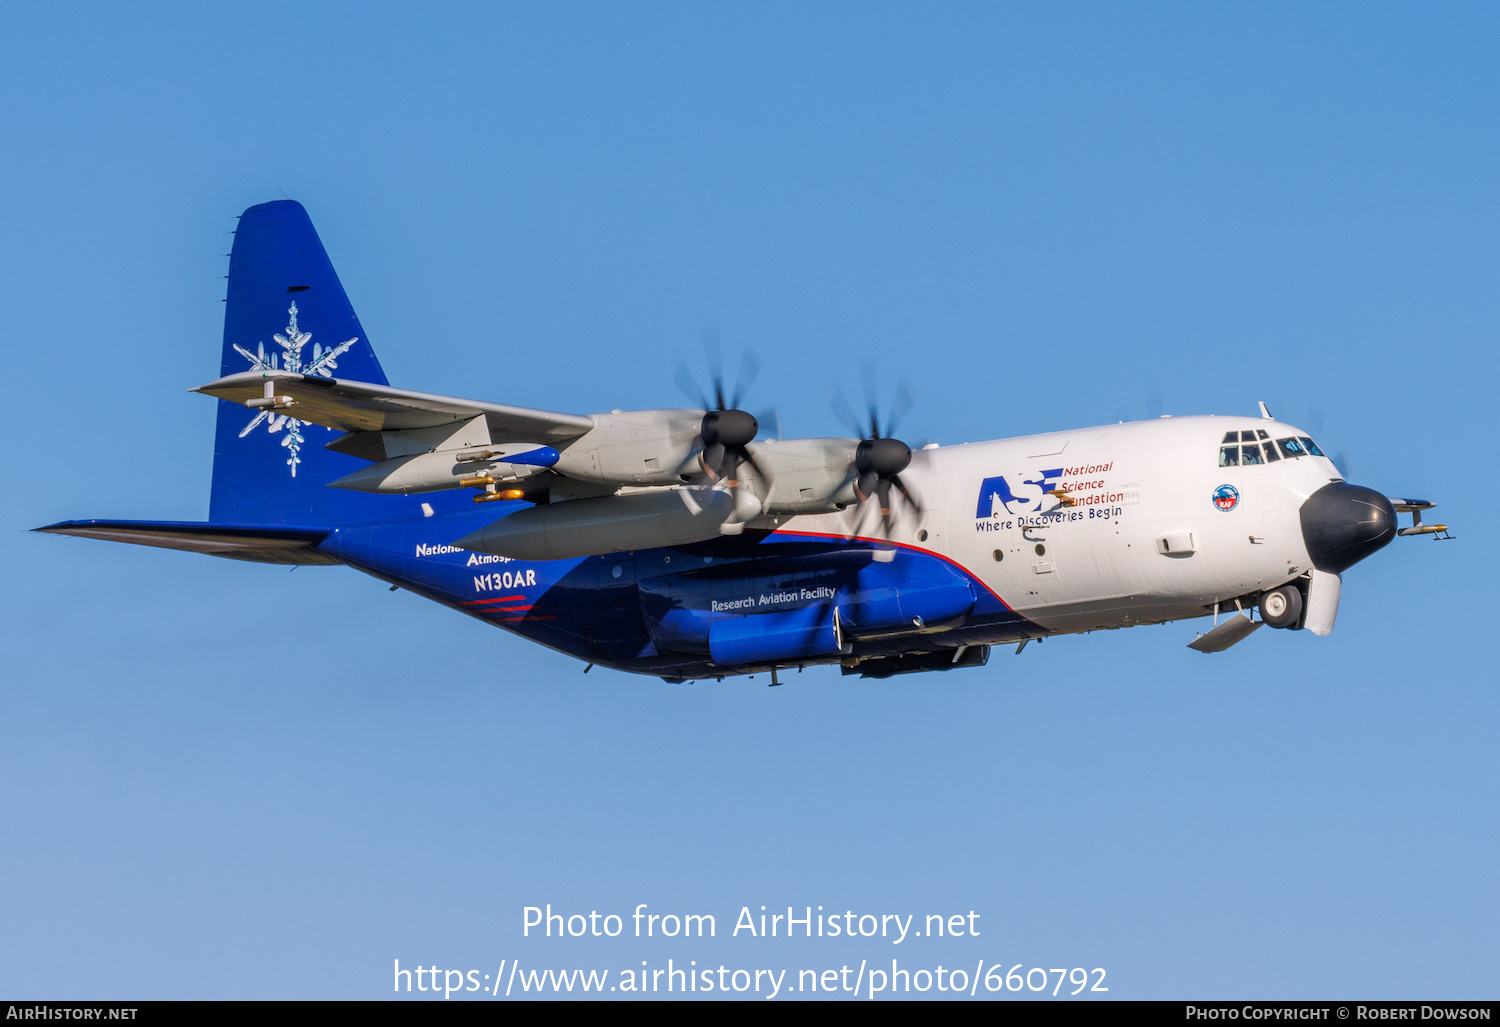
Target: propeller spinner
(726,431)
(725,434)
(880,457)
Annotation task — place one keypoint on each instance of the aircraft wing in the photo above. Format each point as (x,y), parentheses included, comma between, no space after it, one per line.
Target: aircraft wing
(360,406)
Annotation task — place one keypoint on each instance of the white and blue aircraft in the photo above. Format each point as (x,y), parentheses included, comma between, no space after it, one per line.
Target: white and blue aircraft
(676,543)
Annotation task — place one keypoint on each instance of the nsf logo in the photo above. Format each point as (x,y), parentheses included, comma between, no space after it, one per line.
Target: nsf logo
(1226,497)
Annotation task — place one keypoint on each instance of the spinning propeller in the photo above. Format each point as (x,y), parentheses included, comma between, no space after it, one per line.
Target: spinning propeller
(880,457)
(726,431)
(1314,424)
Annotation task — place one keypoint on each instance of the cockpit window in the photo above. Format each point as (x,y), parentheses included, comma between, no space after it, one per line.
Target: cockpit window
(1242,447)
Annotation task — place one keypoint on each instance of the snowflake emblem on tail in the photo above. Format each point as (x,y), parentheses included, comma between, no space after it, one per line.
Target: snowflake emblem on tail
(323,363)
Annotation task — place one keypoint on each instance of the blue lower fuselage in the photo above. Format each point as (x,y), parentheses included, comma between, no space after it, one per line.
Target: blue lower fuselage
(732,605)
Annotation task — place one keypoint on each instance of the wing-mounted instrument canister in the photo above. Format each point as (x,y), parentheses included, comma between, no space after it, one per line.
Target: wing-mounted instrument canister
(484,466)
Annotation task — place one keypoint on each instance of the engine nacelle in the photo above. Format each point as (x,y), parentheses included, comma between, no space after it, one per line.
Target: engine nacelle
(806,475)
(633,447)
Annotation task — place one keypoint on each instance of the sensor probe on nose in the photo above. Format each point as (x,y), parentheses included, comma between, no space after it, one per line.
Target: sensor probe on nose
(1415,508)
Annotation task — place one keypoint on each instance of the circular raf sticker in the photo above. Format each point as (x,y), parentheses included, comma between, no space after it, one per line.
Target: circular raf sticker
(1226,497)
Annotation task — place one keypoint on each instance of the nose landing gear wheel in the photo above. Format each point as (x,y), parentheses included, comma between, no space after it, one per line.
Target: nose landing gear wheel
(1282,607)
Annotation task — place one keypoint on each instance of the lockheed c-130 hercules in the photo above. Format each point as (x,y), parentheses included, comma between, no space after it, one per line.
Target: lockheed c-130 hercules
(677,543)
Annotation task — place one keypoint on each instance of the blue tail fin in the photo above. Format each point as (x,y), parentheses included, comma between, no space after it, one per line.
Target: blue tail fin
(287,310)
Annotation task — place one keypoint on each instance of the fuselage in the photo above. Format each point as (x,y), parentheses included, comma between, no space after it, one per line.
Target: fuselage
(1108,527)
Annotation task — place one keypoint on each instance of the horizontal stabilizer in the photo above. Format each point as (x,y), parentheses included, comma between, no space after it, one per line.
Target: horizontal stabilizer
(256,542)
(1235,629)
(362,406)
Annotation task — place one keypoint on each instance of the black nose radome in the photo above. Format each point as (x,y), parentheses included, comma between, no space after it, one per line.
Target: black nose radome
(1342,524)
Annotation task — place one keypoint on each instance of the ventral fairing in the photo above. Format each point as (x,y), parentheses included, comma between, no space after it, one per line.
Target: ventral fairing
(681,543)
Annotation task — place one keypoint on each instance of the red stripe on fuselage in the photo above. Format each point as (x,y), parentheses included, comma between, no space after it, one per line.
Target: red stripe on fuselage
(481,602)
(916,549)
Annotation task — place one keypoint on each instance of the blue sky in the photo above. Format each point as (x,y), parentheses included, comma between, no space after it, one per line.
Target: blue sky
(225,780)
